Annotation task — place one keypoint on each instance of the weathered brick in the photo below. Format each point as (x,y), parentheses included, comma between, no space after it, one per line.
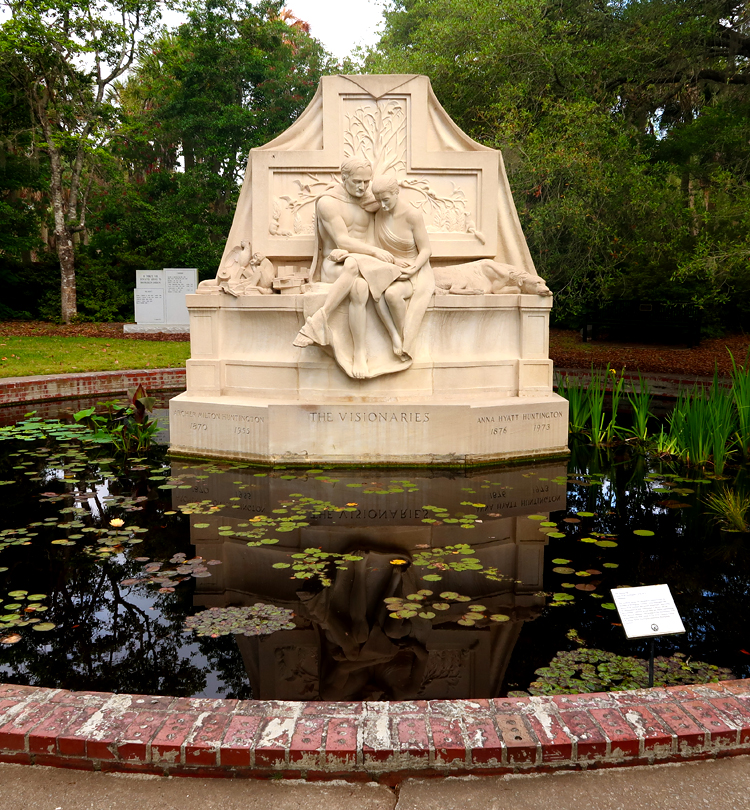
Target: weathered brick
(274,739)
(13,733)
(239,738)
(136,739)
(619,732)
(448,740)
(556,743)
(411,736)
(44,737)
(521,744)
(688,732)
(483,743)
(590,741)
(737,711)
(649,727)
(204,741)
(166,745)
(307,740)
(341,740)
(720,728)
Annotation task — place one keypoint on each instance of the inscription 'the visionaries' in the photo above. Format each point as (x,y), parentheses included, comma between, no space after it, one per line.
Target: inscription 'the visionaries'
(370,417)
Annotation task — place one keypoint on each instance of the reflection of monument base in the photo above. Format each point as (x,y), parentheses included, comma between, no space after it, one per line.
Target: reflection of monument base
(479,389)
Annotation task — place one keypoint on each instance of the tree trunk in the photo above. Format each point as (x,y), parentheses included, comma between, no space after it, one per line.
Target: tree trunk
(63,237)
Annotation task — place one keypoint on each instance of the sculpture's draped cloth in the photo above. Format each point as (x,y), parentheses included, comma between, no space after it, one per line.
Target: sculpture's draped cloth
(334,335)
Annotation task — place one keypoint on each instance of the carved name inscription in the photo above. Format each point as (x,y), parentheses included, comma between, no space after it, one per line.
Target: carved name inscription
(198,420)
(369,417)
(537,421)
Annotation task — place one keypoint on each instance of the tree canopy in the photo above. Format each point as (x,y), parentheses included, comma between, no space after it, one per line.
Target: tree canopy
(625,129)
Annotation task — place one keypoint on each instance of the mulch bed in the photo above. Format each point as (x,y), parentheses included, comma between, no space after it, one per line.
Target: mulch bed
(566,348)
(568,351)
(83,330)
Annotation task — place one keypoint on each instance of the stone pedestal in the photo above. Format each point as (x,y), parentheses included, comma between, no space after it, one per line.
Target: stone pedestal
(479,389)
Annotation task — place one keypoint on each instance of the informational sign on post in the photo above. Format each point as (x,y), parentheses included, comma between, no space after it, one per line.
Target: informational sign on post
(647,611)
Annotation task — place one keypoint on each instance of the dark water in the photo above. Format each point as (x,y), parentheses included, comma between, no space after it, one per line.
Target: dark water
(470,547)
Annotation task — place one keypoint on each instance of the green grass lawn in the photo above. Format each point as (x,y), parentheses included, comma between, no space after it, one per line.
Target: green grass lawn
(25,356)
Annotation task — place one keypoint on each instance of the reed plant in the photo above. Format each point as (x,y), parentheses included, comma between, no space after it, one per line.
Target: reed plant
(741,397)
(702,425)
(640,403)
(579,409)
(730,509)
(597,392)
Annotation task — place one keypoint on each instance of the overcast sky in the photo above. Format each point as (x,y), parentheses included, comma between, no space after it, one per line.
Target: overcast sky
(340,24)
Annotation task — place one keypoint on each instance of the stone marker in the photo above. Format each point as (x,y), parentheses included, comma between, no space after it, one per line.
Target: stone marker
(159,299)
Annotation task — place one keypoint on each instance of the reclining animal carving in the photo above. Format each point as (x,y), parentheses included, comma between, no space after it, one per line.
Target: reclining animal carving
(487,277)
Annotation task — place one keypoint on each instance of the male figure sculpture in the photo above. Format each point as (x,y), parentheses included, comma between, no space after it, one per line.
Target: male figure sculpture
(344,222)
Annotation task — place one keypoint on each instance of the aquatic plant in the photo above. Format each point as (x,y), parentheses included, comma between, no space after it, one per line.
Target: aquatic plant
(128,428)
(590,670)
(579,407)
(640,403)
(729,508)
(259,619)
(741,397)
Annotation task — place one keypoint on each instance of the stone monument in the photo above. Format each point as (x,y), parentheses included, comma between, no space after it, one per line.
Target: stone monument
(159,300)
(376,302)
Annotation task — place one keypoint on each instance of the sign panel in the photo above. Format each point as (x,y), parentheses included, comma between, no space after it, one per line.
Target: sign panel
(647,611)
(149,305)
(148,279)
(179,282)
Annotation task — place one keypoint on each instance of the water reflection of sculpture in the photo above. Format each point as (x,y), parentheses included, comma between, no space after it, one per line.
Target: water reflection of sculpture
(383,256)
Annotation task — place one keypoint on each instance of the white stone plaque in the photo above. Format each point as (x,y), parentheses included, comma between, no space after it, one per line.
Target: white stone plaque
(149,305)
(647,611)
(179,282)
(149,279)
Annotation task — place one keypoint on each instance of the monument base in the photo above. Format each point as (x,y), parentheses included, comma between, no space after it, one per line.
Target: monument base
(366,433)
(156,328)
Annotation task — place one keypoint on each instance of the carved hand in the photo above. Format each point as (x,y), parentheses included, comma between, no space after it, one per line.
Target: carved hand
(409,271)
(383,255)
(402,263)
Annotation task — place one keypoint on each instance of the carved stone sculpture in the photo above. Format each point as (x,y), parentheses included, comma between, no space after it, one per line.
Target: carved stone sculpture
(487,277)
(376,299)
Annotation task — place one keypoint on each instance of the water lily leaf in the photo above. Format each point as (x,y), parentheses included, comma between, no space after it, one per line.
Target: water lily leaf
(281,565)
(427,614)
(17,594)
(536,517)
(609,605)
(466,622)
(586,514)
(13,638)
(448,595)
(563,597)
(562,569)
(643,532)
(440,606)
(585,586)
(499,617)
(432,578)
(42,627)
(560,561)
(606,543)
(611,565)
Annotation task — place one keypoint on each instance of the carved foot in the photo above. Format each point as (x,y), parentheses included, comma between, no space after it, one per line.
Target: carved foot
(359,366)
(398,348)
(302,341)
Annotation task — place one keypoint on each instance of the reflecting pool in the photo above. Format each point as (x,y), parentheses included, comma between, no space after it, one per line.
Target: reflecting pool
(154,575)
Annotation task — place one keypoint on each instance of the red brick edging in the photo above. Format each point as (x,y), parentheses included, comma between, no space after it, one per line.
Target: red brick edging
(387,742)
(87,384)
